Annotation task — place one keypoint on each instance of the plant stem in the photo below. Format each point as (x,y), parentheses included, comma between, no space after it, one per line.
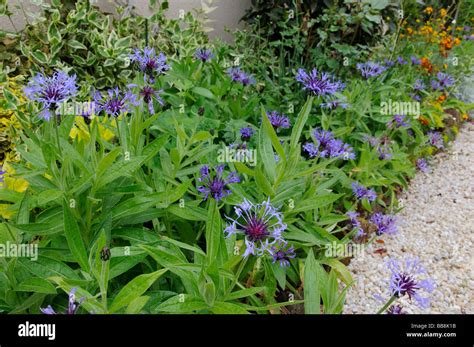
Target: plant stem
(57,136)
(387,305)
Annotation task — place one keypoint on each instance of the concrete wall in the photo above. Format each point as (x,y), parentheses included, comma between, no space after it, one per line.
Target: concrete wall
(227,13)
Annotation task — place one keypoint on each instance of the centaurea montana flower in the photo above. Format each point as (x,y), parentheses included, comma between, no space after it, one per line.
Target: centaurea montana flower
(278,120)
(203,54)
(261,224)
(2,172)
(282,253)
(398,121)
(442,81)
(246,133)
(73,305)
(320,84)
(419,85)
(353,216)
(395,309)
(370,69)
(385,151)
(385,223)
(401,61)
(115,102)
(332,104)
(409,278)
(422,165)
(215,184)
(327,146)
(237,75)
(149,63)
(361,192)
(435,139)
(50,91)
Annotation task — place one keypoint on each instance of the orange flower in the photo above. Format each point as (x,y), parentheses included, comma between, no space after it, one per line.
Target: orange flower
(429,10)
(441,98)
(423,120)
(426,64)
(457,41)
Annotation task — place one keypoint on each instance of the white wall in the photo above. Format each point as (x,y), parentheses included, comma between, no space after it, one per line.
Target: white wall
(227,14)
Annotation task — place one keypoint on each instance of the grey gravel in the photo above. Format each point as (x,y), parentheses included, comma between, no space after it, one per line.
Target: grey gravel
(436,225)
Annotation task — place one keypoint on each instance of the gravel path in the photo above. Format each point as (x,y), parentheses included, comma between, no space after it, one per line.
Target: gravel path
(437,225)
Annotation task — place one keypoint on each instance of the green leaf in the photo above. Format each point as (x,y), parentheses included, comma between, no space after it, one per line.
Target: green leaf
(74,239)
(37,285)
(45,267)
(183,303)
(40,57)
(119,169)
(228,308)
(74,44)
(312,293)
(270,132)
(203,92)
(214,232)
(265,150)
(137,305)
(54,36)
(134,289)
(244,293)
(300,123)
(193,213)
(317,202)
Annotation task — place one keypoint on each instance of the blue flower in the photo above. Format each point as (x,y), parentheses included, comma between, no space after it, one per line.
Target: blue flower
(50,91)
(278,120)
(149,63)
(320,84)
(385,151)
(237,75)
(409,278)
(2,172)
(362,192)
(353,216)
(401,61)
(215,184)
(370,69)
(395,309)
(422,165)
(246,133)
(282,253)
(115,102)
(261,224)
(203,54)
(398,121)
(73,305)
(419,85)
(327,146)
(385,223)
(442,81)
(435,139)
(415,60)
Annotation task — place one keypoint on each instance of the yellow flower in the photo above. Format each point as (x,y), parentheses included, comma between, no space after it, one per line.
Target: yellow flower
(429,10)
(443,12)
(13,183)
(81,130)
